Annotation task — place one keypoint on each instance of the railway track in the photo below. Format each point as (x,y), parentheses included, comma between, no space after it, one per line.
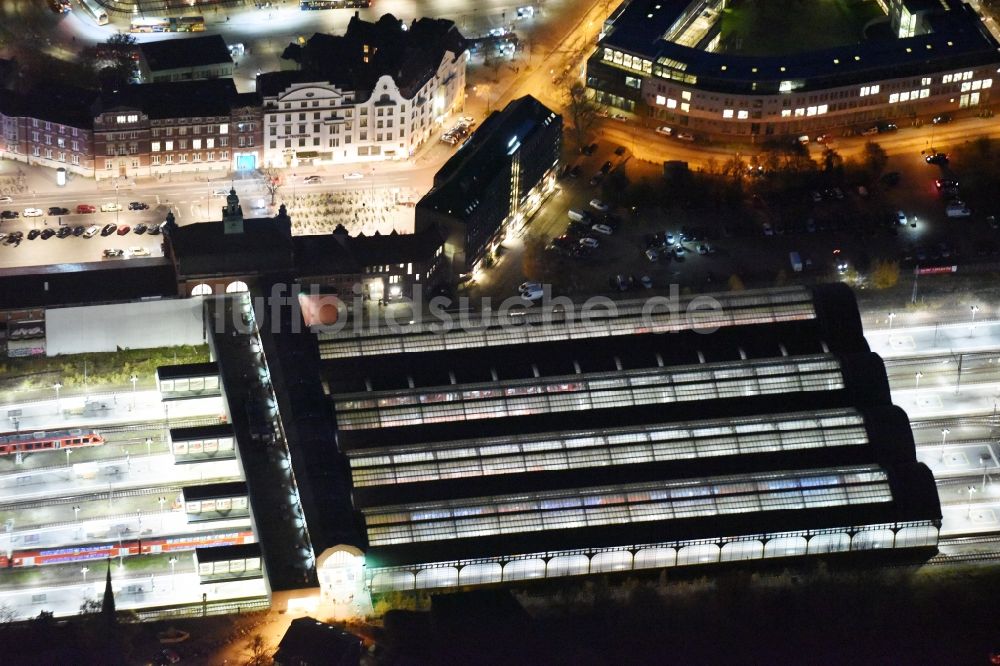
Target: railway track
(103,495)
(156,425)
(956,421)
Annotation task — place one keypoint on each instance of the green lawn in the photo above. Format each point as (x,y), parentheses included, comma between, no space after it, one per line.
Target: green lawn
(782,27)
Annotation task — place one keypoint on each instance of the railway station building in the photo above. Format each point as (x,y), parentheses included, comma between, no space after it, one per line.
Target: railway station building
(547,445)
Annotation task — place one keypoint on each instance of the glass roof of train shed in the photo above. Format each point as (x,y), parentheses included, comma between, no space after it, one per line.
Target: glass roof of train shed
(576,449)
(626,504)
(623,318)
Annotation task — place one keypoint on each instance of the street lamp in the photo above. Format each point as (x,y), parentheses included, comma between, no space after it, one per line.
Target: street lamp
(68,451)
(57,386)
(975,309)
(84,571)
(173,561)
(76,514)
(162,501)
(972,491)
(892,315)
(149,444)
(918,376)
(944,438)
(133,379)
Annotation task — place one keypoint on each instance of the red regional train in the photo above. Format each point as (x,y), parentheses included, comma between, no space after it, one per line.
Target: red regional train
(102,551)
(29,442)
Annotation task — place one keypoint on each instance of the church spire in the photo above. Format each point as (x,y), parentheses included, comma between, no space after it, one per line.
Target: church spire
(108,603)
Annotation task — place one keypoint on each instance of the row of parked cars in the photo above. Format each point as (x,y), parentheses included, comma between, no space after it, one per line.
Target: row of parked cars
(15,237)
(81,209)
(461,130)
(585,228)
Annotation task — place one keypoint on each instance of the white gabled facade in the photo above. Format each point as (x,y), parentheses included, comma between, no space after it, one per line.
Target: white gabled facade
(319,123)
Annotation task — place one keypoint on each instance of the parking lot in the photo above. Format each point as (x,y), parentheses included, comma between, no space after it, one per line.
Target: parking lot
(79,232)
(838,226)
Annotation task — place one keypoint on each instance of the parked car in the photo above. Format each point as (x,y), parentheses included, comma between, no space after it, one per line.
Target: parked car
(606,167)
(140,228)
(109,229)
(9,215)
(138,205)
(685,136)
(6,199)
(216,192)
(597,204)
(619,151)
(664,130)
(870,131)
(529,286)
(112,253)
(33,234)
(64,232)
(589,241)
(124,229)
(78,230)
(138,252)
(154,229)
(937,158)
(110,207)
(603,229)
(942,119)
(901,217)
(83,209)
(646,282)
(313,179)
(354,175)
(58,210)
(47,234)
(589,150)
(33,212)
(945,183)
(92,231)
(652,255)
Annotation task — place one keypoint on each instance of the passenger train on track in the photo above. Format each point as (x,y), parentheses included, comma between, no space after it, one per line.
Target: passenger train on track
(29,442)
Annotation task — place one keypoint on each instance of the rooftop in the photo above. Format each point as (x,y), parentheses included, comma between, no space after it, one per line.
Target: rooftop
(458,185)
(183,53)
(388,47)
(959,39)
(178,99)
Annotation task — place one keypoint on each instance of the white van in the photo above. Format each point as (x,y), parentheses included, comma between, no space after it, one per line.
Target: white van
(578,215)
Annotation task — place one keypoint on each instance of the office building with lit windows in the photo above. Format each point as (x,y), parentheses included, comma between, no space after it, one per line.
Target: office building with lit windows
(660,60)
(544,445)
(495,182)
(377,92)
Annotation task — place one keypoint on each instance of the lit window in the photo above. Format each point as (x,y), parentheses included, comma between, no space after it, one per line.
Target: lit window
(946,78)
(926,92)
(661,100)
(743,115)
(865,90)
(671,103)
(811,111)
(977,85)
(925,81)
(686,96)
(799,113)
(728,113)
(966,86)
(823,108)
(223,128)
(169,145)
(987,83)
(196,144)
(893,98)
(685,107)
(210,143)
(904,97)
(966,76)
(786,113)
(155,146)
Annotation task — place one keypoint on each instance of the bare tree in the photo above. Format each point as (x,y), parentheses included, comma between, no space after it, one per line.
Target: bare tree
(257,652)
(582,112)
(272,181)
